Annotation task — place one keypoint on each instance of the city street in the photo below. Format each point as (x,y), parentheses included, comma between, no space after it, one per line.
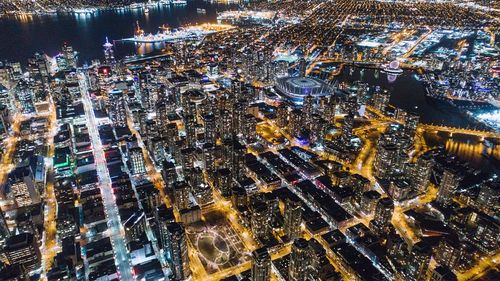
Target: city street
(116,231)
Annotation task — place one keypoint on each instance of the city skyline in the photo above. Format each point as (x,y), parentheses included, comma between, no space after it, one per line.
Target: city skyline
(250,140)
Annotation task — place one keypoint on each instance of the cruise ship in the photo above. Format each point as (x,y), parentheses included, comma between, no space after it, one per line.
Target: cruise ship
(171,35)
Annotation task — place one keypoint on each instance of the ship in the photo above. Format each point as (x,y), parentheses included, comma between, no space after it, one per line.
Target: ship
(201,11)
(136,6)
(179,2)
(172,35)
(152,4)
(168,35)
(84,11)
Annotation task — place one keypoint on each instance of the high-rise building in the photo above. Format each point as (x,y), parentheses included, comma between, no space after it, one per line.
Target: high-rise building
(448,252)
(282,115)
(22,249)
(260,220)
(308,106)
(209,157)
(69,57)
(489,195)
(237,158)
(418,261)
(190,127)
(224,182)
(411,122)
(329,108)
(443,273)
(383,215)
(449,184)
(387,161)
(172,135)
(261,265)
(163,217)
(250,132)
(137,164)
(293,218)
(135,227)
(420,172)
(210,128)
(347,128)
(178,252)
(299,260)
(4,229)
(380,100)
(181,194)
(117,112)
(22,187)
(238,121)
(295,122)
(399,189)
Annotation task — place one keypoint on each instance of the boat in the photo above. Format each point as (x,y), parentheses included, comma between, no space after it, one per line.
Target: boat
(136,6)
(167,34)
(165,2)
(201,11)
(152,4)
(84,11)
(179,2)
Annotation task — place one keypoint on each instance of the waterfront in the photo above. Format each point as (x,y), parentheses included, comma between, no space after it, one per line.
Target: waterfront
(408,93)
(87,32)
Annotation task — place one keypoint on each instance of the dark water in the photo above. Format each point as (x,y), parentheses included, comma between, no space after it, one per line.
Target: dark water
(408,93)
(23,36)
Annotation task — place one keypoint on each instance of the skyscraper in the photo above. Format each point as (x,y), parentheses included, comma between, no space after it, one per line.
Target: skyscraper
(260,220)
(299,260)
(163,217)
(418,261)
(181,194)
(282,115)
(383,215)
(420,172)
(308,105)
(117,111)
(295,122)
(137,165)
(261,265)
(448,185)
(22,249)
(293,218)
(210,133)
(4,230)
(178,252)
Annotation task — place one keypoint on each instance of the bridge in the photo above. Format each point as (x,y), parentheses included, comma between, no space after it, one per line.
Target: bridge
(437,128)
(461,131)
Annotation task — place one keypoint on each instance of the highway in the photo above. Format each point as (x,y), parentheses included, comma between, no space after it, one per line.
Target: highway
(116,231)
